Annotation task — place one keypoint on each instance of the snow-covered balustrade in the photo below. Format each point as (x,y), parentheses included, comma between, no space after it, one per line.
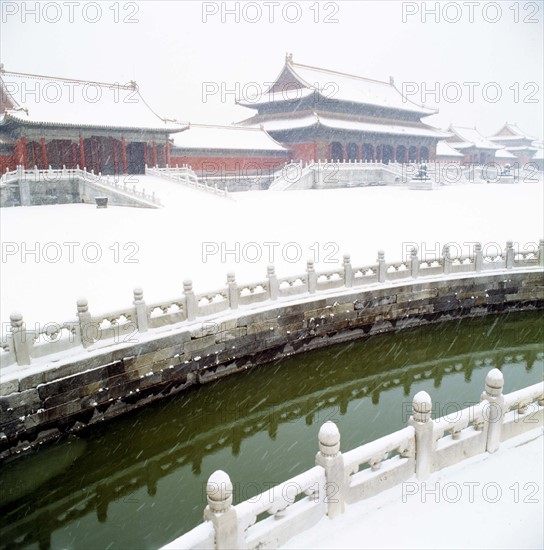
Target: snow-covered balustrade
(114,326)
(379,465)
(99,181)
(186,176)
(339,479)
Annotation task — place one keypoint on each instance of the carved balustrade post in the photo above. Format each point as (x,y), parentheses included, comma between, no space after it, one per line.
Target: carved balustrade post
(19,339)
(312,276)
(140,310)
(478,257)
(190,300)
(423,425)
(348,271)
(414,263)
(447,259)
(509,255)
(494,384)
(233,292)
(221,512)
(86,328)
(382,270)
(330,457)
(273,285)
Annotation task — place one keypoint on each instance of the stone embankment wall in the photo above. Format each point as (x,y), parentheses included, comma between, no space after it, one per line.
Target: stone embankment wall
(41,401)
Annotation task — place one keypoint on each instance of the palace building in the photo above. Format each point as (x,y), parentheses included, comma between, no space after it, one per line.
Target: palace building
(516,142)
(324,114)
(109,128)
(474,147)
(215,150)
(308,113)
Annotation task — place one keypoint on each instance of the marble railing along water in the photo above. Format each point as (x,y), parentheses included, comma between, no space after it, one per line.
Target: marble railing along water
(423,447)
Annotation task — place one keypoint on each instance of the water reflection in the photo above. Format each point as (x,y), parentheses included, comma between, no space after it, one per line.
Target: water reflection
(139,481)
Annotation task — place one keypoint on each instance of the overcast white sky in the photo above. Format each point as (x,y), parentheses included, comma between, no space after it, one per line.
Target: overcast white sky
(172,52)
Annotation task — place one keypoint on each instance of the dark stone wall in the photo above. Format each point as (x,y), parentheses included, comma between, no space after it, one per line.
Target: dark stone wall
(67,397)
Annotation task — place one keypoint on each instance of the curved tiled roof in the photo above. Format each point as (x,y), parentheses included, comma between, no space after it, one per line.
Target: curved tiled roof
(53,101)
(208,136)
(334,85)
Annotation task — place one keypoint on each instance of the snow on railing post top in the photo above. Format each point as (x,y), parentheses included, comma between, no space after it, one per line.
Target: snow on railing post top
(423,426)
(494,384)
(331,459)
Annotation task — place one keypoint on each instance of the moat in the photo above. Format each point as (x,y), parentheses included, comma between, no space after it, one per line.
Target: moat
(138,482)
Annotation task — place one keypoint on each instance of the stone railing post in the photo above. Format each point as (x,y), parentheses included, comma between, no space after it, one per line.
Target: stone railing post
(423,425)
(478,257)
(382,271)
(312,276)
(541,253)
(494,384)
(414,263)
(273,285)
(447,259)
(140,309)
(348,271)
(19,339)
(190,300)
(85,323)
(232,290)
(509,255)
(221,512)
(330,457)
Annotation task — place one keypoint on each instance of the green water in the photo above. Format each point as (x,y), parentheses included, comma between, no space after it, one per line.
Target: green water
(139,481)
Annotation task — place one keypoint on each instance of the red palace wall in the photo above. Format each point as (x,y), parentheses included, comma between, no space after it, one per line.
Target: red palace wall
(216,166)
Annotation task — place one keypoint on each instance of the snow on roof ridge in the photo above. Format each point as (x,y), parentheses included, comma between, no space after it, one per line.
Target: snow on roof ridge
(339,73)
(291,65)
(131,86)
(233,126)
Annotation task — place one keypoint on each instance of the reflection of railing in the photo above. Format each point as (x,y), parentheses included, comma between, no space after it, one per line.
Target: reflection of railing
(18,347)
(423,447)
(220,429)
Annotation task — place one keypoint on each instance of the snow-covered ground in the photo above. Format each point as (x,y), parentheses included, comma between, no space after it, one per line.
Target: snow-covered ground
(115,249)
(488,501)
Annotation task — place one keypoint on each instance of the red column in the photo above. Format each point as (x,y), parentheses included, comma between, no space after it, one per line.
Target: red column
(168,153)
(23,154)
(154,154)
(344,152)
(375,154)
(145,154)
(418,153)
(124,155)
(81,153)
(115,157)
(406,154)
(394,153)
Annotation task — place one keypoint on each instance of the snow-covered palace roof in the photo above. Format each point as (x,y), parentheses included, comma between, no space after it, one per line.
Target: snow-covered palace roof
(510,132)
(297,81)
(444,149)
(469,137)
(234,138)
(53,101)
(339,122)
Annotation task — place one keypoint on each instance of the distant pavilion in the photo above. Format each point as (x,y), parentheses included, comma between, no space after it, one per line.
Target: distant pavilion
(516,142)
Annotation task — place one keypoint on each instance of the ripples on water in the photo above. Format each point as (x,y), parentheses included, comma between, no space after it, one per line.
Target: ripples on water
(139,481)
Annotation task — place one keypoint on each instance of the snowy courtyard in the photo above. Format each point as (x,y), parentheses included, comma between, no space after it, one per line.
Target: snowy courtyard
(52,255)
